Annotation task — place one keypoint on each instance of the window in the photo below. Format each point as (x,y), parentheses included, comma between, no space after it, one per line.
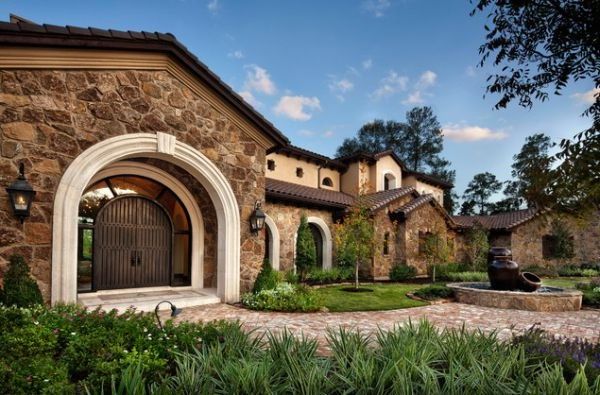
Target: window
(299,172)
(549,246)
(389,182)
(327,182)
(423,239)
(386,242)
(271,164)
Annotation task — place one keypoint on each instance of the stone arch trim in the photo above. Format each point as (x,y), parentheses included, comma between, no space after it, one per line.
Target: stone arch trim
(161,146)
(327,240)
(274,242)
(186,197)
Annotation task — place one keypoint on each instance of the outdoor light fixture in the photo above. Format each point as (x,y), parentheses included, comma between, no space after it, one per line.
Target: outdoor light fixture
(257,220)
(174,312)
(21,195)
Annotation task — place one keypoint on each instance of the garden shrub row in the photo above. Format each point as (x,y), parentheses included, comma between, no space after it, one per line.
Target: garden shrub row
(329,276)
(432,292)
(591,293)
(284,297)
(402,272)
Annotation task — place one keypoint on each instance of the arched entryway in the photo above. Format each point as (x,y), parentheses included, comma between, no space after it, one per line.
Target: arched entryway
(323,241)
(272,242)
(143,145)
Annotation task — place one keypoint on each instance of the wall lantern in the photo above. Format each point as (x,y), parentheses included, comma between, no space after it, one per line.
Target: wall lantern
(21,195)
(257,220)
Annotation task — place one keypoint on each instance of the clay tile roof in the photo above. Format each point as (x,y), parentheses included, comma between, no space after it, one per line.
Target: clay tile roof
(310,156)
(414,204)
(301,193)
(22,32)
(371,157)
(428,178)
(378,200)
(497,221)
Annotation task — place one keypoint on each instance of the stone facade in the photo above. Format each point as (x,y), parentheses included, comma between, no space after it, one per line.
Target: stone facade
(287,219)
(47,118)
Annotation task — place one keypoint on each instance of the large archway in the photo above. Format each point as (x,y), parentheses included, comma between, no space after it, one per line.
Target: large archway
(327,240)
(162,146)
(273,242)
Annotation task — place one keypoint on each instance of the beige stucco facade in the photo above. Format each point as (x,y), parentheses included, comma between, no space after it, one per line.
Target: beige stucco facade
(424,188)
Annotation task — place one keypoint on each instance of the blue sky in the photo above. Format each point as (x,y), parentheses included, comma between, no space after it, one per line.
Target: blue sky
(320,69)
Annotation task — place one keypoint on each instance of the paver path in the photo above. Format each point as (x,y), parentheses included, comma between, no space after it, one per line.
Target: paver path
(582,324)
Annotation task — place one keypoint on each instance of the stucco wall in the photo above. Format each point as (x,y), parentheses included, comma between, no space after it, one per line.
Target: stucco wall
(383,166)
(285,170)
(47,118)
(424,188)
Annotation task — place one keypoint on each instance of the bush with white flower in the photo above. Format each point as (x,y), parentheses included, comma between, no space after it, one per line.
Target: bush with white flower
(284,297)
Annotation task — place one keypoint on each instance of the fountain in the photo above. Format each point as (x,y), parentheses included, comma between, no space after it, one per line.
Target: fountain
(509,288)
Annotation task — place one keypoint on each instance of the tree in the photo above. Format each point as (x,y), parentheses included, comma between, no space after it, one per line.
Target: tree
(542,46)
(480,189)
(477,247)
(441,169)
(532,169)
(372,137)
(422,139)
(563,247)
(467,207)
(356,235)
(19,288)
(512,201)
(306,251)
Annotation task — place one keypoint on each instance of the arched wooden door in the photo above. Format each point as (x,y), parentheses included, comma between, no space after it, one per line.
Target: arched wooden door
(318,238)
(132,244)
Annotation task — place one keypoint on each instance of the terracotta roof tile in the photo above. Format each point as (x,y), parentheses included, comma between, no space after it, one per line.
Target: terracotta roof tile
(378,200)
(295,192)
(414,204)
(497,221)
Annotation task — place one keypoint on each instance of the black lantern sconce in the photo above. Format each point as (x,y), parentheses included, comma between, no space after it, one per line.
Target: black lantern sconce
(257,220)
(21,195)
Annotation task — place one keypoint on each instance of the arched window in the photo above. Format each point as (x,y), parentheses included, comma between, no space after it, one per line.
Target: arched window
(327,182)
(389,182)
(386,243)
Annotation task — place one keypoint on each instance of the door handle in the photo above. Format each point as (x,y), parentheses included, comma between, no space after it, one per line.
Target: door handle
(134,258)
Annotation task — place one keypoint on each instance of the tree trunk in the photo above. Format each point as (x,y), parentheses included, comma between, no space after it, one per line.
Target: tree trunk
(356,274)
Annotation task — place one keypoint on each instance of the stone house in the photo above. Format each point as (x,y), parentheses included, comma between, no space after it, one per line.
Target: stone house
(148,169)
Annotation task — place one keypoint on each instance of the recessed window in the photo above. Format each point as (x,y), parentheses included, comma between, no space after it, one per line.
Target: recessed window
(423,238)
(327,182)
(389,182)
(299,172)
(549,243)
(386,243)
(271,164)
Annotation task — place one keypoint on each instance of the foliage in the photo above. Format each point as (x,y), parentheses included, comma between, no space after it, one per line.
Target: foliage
(306,252)
(541,271)
(61,349)
(467,276)
(571,354)
(19,288)
(432,292)
(591,292)
(435,250)
(563,247)
(285,297)
(480,189)
(291,277)
(356,235)
(477,246)
(401,272)
(383,297)
(467,207)
(532,167)
(329,276)
(267,278)
(442,271)
(512,201)
(542,46)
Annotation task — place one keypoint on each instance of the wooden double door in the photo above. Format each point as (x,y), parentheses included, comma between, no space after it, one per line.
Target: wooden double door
(133,240)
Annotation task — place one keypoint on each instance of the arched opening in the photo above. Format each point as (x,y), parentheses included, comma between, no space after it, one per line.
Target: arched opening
(327,182)
(389,181)
(83,169)
(318,239)
(322,235)
(272,242)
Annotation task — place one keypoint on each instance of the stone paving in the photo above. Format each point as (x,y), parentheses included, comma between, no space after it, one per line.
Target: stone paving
(582,324)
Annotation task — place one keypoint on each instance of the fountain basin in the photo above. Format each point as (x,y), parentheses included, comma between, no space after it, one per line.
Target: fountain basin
(544,299)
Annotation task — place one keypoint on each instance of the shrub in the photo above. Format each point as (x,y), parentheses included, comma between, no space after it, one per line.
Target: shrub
(291,277)
(306,252)
(569,271)
(467,276)
(590,273)
(401,272)
(432,292)
(442,270)
(329,276)
(285,297)
(267,278)
(477,247)
(541,271)
(19,288)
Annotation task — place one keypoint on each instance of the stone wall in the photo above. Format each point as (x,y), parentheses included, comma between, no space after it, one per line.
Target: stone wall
(47,118)
(526,241)
(287,219)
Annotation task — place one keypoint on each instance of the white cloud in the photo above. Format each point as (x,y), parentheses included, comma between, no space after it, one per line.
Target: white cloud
(328,133)
(213,6)
(340,87)
(588,97)
(297,107)
(259,80)
(250,99)
(470,71)
(427,79)
(414,98)
(236,54)
(471,133)
(377,7)
(367,64)
(390,85)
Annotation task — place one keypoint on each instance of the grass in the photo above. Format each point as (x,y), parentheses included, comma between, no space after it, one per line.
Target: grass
(383,297)
(564,282)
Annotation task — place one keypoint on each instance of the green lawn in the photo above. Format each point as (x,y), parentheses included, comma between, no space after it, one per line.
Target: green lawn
(383,297)
(564,282)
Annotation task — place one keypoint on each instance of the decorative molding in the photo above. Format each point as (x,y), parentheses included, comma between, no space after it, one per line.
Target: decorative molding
(93,59)
(274,242)
(78,175)
(327,240)
(165,143)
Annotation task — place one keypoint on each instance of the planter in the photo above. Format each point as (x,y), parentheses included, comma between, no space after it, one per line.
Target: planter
(503,273)
(529,282)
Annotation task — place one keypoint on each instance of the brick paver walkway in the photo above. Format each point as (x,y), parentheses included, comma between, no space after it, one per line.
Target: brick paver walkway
(582,324)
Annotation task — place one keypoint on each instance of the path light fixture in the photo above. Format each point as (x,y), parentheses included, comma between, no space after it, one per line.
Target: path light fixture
(21,195)
(174,312)
(257,220)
